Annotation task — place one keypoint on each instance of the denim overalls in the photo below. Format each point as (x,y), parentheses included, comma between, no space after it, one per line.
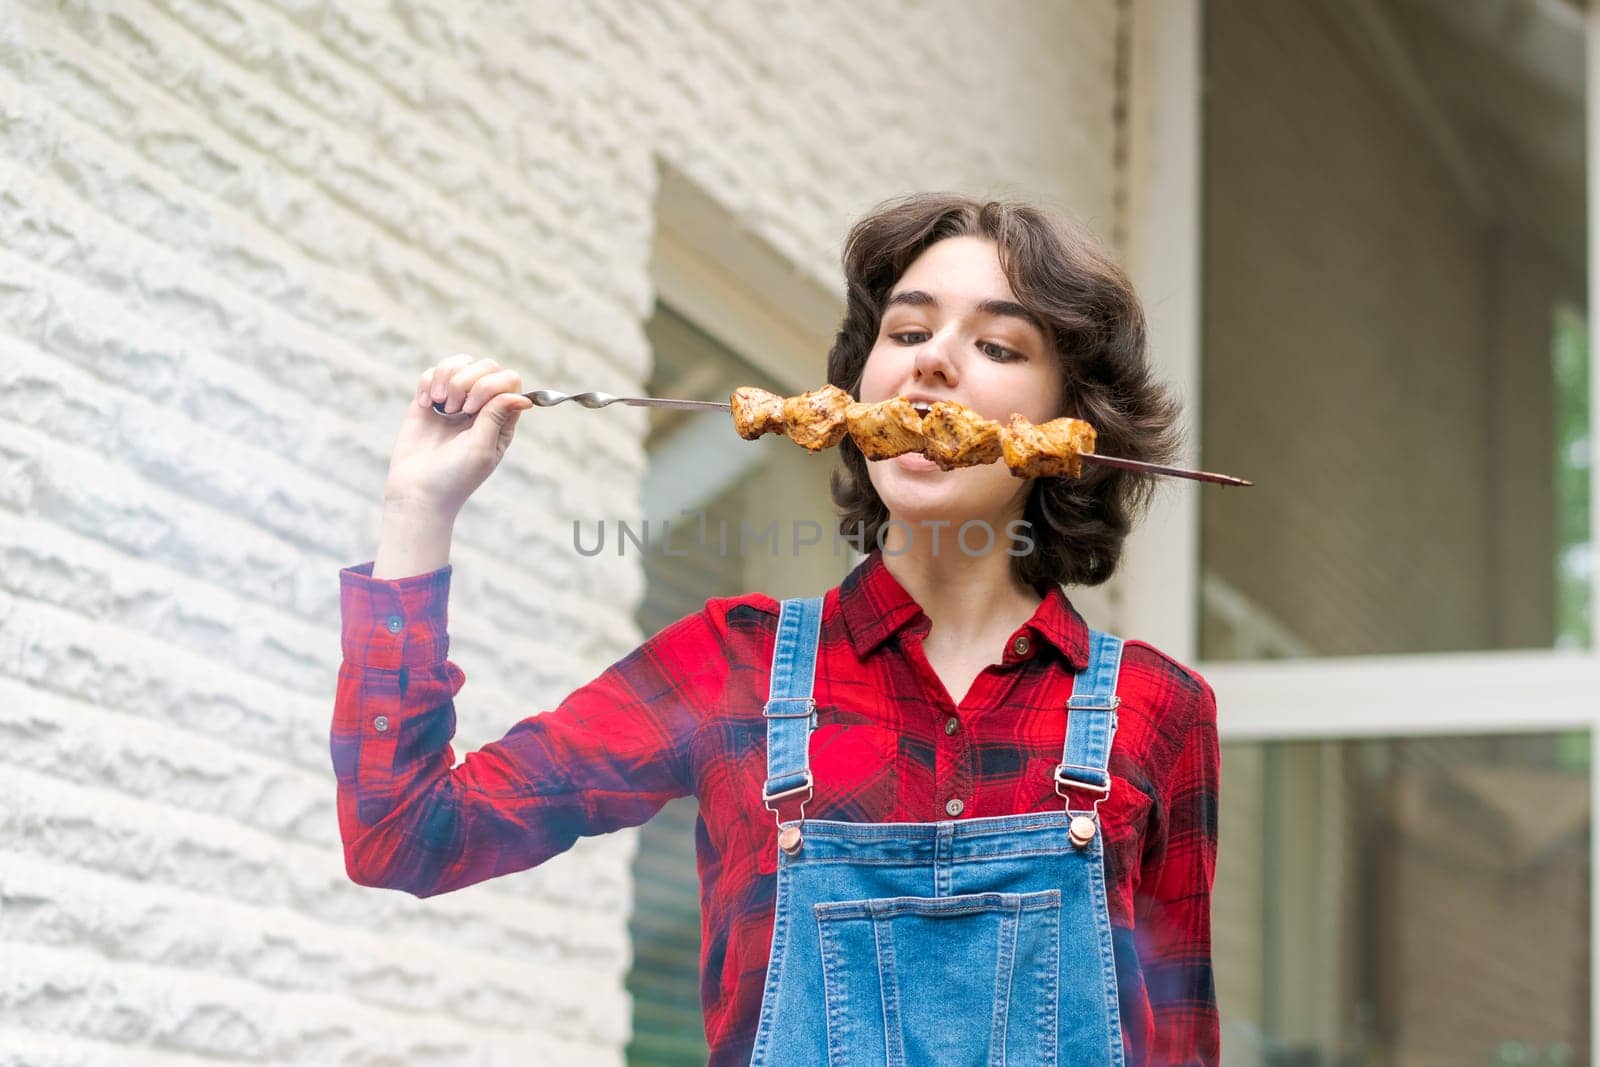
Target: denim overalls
(983,942)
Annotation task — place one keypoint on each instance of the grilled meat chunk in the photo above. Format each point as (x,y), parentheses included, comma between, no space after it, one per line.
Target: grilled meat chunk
(816,420)
(950,434)
(756,412)
(885,430)
(959,437)
(1049,450)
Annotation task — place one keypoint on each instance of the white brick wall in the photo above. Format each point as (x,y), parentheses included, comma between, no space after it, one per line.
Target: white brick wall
(231,234)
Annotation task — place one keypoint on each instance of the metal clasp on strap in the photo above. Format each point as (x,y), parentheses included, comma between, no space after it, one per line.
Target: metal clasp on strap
(770,799)
(1083,827)
(1062,781)
(1112,706)
(809,702)
(788,836)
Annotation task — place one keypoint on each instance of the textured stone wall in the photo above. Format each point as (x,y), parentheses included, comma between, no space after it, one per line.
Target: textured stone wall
(231,234)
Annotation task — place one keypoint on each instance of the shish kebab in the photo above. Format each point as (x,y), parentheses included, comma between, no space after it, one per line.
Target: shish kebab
(950,434)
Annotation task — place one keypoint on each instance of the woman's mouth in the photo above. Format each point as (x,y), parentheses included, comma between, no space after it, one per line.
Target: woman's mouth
(915,461)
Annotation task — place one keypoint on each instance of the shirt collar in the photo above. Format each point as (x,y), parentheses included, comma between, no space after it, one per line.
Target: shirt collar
(876,606)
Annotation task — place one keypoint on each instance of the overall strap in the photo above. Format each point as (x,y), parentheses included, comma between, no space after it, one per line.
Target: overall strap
(790,710)
(1091,720)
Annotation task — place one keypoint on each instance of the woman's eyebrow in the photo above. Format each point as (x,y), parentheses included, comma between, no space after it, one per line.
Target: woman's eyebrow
(914,298)
(994,308)
(1011,309)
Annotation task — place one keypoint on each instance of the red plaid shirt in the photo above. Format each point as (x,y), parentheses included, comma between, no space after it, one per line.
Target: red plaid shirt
(681,714)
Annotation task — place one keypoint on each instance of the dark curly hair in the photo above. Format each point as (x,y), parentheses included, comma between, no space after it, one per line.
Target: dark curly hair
(1062,275)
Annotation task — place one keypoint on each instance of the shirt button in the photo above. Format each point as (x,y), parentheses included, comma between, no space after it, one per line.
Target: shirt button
(951,725)
(954,806)
(395,623)
(381,723)
(1020,645)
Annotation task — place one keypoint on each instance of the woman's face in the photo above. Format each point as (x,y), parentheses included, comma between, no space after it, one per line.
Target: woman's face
(952,330)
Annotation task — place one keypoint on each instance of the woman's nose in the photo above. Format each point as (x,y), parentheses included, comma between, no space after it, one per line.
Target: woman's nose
(933,360)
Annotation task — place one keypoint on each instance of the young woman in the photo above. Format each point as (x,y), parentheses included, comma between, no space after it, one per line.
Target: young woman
(942,820)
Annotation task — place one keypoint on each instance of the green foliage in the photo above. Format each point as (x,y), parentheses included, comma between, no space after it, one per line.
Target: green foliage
(1574,448)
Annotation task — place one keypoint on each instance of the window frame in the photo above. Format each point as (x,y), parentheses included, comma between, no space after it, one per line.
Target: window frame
(1326,698)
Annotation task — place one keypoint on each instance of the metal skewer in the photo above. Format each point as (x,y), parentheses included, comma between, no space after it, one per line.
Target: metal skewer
(1156,468)
(549,398)
(546,398)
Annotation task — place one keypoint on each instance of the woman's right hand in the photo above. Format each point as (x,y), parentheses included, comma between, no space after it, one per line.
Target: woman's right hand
(439,461)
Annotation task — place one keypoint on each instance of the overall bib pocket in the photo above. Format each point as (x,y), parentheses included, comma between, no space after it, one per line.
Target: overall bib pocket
(953,981)
(1012,966)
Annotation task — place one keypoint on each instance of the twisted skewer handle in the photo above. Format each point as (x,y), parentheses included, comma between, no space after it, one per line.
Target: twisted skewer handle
(549,398)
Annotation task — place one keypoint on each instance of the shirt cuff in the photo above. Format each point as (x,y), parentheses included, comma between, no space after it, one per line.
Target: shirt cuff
(394,622)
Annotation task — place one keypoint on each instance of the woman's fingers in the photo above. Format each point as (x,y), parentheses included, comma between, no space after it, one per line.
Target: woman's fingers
(462,383)
(496,422)
(432,383)
(453,377)
(426,379)
(442,368)
(491,385)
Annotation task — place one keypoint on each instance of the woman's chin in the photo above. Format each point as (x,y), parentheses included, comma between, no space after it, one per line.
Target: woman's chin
(915,489)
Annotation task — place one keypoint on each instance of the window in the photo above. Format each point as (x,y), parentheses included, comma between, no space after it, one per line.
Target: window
(712,330)
(1394,201)
(1405,901)
(1398,618)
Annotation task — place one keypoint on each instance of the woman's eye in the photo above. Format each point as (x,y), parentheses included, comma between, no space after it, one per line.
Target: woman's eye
(999,353)
(909,337)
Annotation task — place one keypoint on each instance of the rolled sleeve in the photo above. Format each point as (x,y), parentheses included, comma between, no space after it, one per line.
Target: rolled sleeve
(394,623)
(411,818)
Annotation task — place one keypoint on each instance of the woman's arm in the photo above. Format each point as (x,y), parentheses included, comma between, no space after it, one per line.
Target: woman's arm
(610,756)
(1173,905)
